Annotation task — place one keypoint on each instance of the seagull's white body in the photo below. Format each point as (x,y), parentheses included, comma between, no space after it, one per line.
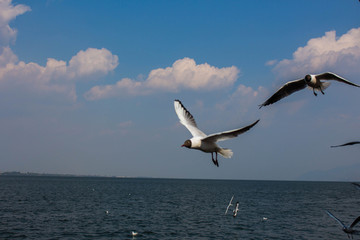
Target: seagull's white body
(236,209)
(203,142)
(316,84)
(311,81)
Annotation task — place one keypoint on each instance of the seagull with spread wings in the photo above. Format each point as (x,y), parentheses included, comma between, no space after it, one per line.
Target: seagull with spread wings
(347,229)
(311,81)
(203,142)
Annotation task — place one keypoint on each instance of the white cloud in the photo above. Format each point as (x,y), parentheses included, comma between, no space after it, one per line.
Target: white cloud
(271,62)
(326,53)
(243,98)
(125,86)
(56,76)
(92,61)
(186,74)
(9,12)
(183,74)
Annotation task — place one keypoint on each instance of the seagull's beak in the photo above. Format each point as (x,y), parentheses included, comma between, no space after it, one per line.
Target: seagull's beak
(183,145)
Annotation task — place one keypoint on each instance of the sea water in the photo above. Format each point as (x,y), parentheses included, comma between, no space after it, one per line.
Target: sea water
(112,208)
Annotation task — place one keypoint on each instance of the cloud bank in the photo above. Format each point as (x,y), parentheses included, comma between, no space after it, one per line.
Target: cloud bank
(326,53)
(56,76)
(183,74)
(9,12)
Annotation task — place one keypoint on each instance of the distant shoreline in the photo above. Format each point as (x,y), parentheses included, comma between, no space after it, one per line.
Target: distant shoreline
(31,174)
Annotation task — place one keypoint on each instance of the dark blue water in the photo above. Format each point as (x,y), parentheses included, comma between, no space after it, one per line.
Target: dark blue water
(75,208)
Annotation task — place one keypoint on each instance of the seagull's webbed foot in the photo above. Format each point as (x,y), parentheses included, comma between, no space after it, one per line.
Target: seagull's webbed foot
(314,92)
(322,91)
(215,161)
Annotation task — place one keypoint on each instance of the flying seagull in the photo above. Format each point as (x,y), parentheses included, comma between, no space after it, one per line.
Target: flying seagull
(230,204)
(346,144)
(236,209)
(203,142)
(347,229)
(311,81)
(357,185)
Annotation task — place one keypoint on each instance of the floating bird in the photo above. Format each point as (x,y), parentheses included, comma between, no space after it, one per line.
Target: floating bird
(106,212)
(134,233)
(346,144)
(230,204)
(203,142)
(236,209)
(312,81)
(347,229)
(264,219)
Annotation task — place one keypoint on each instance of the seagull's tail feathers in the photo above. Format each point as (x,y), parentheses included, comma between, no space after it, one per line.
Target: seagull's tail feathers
(225,152)
(325,85)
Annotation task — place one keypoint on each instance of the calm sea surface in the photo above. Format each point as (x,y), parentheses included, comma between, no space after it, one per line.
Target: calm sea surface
(75,208)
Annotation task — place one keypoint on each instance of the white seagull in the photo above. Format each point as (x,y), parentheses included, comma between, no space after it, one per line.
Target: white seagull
(346,144)
(236,209)
(203,142)
(311,81)
(230,204)
(347,229)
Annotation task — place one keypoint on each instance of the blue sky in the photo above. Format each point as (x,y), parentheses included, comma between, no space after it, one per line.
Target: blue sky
(87,87)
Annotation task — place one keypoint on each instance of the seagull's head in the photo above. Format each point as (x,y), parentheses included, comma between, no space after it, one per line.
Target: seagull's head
(307,78)
(187,144)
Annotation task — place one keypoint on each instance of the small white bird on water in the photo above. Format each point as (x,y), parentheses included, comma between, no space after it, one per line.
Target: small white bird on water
(311,81)
(203,142)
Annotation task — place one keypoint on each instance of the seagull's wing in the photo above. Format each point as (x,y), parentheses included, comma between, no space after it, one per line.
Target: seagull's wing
(357,185)
(333,76)
(355,222)
(346,144)
(286,90)
(187,119)
(338,220)
(228,134)
(229,205)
